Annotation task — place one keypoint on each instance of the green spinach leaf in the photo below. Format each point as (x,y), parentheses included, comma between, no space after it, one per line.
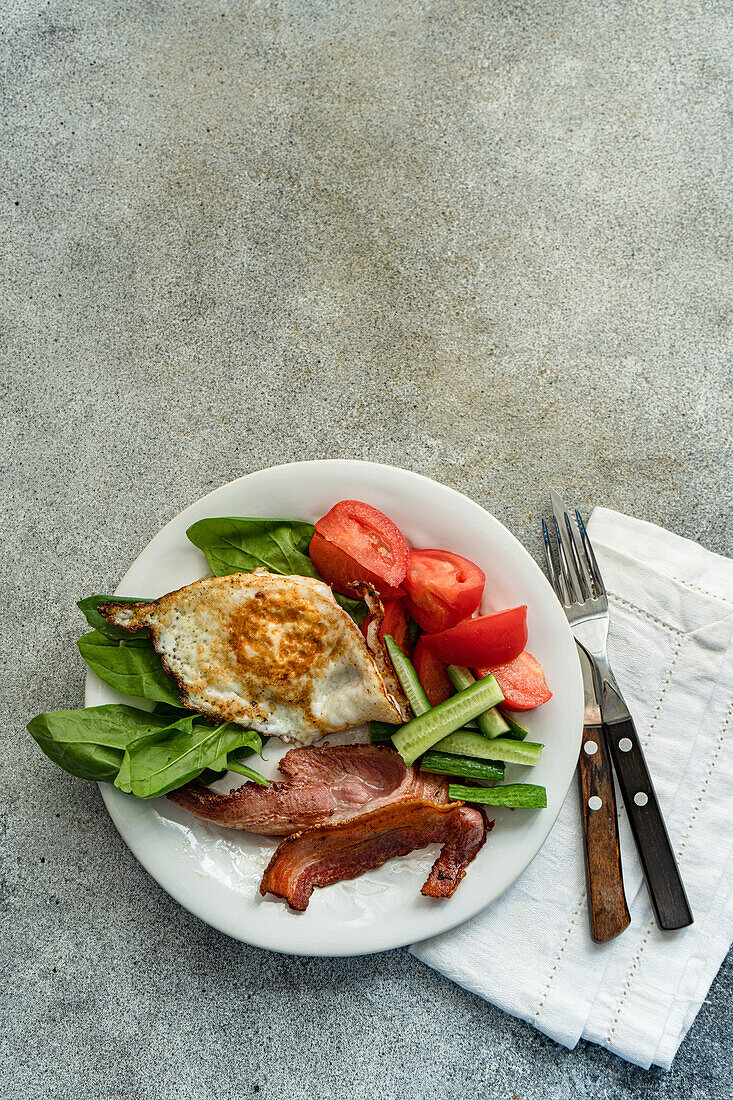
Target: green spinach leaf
(174,712)
(91,743)
(233,544)
(142,753)
(236,545)
(90,604)
(131,666)
(161,761)
(356,608)
(233,765)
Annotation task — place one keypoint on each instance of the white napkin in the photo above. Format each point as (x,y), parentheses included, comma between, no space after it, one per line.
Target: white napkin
(671,647)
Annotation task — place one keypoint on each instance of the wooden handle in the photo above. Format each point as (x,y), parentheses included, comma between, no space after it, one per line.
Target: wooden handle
(663,880)
(609,913)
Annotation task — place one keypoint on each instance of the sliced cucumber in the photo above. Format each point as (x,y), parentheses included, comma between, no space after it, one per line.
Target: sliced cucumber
(516,731)
(407,677)
(517,796)
(445,763)
(380,733)
(460,677)
(465,743)
(424,731)
(490,722)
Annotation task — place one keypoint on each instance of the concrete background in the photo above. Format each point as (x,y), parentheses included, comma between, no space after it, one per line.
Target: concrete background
(485,241)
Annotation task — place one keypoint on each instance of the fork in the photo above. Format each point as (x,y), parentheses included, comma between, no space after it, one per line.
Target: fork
(579,587)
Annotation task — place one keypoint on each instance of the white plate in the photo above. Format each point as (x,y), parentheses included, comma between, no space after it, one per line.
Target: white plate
(215,872)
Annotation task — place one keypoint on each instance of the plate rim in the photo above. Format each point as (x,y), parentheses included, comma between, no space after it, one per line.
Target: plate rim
(145,856)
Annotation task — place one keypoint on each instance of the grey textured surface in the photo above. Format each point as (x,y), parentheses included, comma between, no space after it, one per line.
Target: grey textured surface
(483,241)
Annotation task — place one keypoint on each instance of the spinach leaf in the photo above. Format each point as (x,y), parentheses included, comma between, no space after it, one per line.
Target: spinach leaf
(146,740)
(233,765)
(254,743)
(356,608)
(160,761)
(234,544)
(140,752)
(131,666)
(233,762)
(89,606)
(91,743)
(172,712)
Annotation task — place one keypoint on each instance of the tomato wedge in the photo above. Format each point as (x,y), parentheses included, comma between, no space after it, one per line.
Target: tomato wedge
(431,673)
(339,569)
(396,622)
(355,542)
(485,642)
(442,588)
(522,682)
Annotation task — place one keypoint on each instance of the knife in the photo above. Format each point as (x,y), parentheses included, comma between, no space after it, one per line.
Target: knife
(609,913)
(663,879)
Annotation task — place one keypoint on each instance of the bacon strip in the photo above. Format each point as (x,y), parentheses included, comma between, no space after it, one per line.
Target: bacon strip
(323,785)
(466,832)
(330,853)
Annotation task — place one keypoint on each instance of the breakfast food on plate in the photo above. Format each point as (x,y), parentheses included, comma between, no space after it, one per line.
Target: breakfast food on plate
(347,785)
(331,853)
(305,631)
(275,654)
(323,785)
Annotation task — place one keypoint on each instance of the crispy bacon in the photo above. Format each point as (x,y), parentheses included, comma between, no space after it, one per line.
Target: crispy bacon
(323,785)
(466,832)
(330,853)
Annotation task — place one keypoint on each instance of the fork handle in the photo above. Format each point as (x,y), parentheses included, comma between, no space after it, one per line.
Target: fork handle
(609,913)
(666,890)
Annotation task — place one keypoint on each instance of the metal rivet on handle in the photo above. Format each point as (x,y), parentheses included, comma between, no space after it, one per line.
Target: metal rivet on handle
(625,744)
(640,798)
(590,747)
(594,802)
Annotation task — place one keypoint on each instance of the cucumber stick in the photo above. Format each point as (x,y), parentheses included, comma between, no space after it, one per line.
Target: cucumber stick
(425,730)
(517,796)
(465,743)
(516,731)
(445,763)
(407,677)
(490,722)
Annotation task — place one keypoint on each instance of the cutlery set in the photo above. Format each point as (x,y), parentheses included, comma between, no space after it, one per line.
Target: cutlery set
(609,737)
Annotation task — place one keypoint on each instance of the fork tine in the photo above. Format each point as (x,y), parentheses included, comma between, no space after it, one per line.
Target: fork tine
(572,577)
(579,566)
(573,597)
(590,557)
(553,574)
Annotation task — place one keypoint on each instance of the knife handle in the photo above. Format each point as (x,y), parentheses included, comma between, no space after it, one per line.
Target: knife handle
(667,893)
(609,913)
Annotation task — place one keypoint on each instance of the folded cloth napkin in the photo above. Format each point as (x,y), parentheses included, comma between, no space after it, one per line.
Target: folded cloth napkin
(671,647)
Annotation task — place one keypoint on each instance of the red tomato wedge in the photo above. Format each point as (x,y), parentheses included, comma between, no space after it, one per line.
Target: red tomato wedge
(355,542)
(442,588)
(339,569)
(396,622)
(485,642)
(522,682)
(431,674)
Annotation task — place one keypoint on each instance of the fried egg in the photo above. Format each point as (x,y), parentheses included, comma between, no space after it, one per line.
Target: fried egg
(276,654)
